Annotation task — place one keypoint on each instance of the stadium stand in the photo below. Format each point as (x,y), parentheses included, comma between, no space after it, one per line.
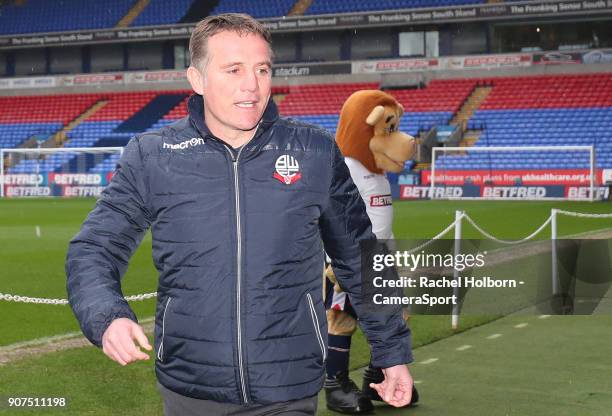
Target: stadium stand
(321,104)
(162,12)
(537,110)
(258,9)
(542,110)
(48,114)
(14,133)
(41,109)
(349,6)
(276,8)
(39,16)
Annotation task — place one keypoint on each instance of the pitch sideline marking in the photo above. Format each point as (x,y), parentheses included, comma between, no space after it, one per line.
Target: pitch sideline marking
(521,325)
(463,347)
(48,340)
(494,336)
(429,361)
(39,341)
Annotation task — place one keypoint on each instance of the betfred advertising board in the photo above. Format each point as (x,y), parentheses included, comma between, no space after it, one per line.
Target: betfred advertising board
(66,185)
(395,65)
(486,62)
(526,193)
(512,177)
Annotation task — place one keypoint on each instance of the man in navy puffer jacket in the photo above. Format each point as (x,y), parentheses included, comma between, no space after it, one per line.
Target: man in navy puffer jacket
(241,204)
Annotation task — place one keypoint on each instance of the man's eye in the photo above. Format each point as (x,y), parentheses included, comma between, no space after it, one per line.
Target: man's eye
(264,71)
(233,71)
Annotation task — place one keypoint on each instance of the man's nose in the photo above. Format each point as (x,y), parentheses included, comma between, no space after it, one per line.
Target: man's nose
(250,82)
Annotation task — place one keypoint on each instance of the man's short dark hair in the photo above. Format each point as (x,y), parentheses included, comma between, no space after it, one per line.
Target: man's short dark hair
(240,23)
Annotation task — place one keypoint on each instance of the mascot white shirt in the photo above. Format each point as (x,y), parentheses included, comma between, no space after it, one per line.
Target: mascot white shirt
(375,191)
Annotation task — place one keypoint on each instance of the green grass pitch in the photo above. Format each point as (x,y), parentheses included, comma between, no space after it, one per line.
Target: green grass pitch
(556,366)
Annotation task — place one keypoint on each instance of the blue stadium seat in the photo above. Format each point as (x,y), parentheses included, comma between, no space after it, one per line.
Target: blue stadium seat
(550,127)
(257,9)
(346,6)
(162,12)
(37,16)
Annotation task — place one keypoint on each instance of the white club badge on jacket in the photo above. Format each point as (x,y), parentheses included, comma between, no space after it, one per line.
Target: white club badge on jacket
(287,169)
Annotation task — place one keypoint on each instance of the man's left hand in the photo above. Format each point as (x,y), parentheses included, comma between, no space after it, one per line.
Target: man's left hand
(396,388)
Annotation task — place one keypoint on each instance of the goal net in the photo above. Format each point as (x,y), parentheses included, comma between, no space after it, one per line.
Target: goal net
(56,172)
(515,172)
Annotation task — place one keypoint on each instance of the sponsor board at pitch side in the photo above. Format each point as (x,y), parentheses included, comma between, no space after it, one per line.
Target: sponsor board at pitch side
(416,192)
(513,177)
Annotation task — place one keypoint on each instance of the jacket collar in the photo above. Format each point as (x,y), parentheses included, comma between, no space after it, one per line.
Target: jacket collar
(195,109)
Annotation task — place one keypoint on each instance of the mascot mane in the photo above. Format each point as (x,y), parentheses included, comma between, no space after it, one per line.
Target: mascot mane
(353,134)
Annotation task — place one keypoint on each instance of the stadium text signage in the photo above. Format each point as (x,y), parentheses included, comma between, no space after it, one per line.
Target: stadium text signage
(322,68)
(510,60)
(31,82)
(303,23)
(512,177)
(155,77)
(96,36)
(528,193)
(439,15)
(55,184)
(286,71)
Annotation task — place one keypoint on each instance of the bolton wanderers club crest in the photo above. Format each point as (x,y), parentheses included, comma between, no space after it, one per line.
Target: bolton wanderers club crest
(287,169)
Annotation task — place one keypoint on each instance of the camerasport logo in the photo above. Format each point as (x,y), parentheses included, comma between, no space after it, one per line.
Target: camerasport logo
(287,170)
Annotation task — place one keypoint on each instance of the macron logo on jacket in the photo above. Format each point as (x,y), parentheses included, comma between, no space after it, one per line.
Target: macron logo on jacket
(196,141)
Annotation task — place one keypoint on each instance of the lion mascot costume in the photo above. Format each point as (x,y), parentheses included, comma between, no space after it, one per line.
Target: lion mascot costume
(369,138)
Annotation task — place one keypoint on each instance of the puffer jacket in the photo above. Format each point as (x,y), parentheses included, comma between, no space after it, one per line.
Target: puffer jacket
(238,240)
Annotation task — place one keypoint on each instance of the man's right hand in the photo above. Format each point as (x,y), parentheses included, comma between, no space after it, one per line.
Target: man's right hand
(118,341)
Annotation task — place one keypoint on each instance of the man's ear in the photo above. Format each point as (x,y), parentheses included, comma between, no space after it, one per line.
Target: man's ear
(375,115)
(196,79)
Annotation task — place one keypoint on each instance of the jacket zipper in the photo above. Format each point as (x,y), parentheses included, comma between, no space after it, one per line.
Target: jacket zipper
(238,272)
(315,322)
(160,350)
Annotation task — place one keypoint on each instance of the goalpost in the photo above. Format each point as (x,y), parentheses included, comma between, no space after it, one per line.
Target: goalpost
(498,172)
(56,172)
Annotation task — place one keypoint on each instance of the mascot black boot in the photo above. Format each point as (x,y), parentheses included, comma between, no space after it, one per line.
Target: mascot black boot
(342,395)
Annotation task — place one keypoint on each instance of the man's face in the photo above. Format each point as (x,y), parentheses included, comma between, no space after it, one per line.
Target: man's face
(236,83)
